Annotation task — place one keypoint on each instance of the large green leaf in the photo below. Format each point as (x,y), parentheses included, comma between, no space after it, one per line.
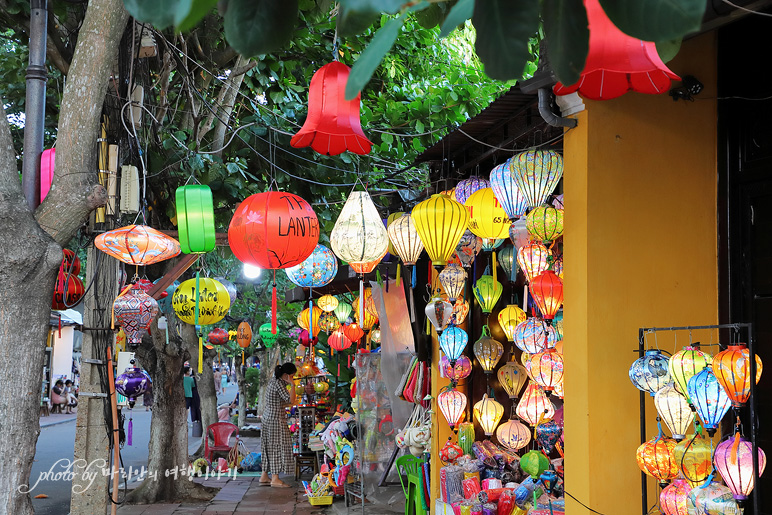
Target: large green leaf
(198,9)
(504,28)
(372,56)
(351,23)
(460,12)
(655,20)
(373,6)
(568,38)
(667,50)
(255,27)
(159,13)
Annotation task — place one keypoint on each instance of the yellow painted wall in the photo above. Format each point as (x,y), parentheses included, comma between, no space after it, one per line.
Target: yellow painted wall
(640,250)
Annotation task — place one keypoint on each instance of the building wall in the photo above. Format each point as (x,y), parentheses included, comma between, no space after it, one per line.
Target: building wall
(640,251)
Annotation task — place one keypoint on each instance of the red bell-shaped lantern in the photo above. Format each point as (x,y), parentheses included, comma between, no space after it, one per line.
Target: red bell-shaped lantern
(332,125)
(353,332)
(617,63)
(218,336)
(339,341)
(547,291)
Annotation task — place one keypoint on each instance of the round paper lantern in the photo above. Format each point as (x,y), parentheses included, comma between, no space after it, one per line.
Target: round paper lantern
(546,369)
(218,336)
(404,238)
(488,413)
(487,350)
(338,340)
(68,290)
(452,278)
(466,437)
(734,461)
(70,262)
(673,498)
(316,270)
(213,301)
(468,187)
(244,335)
(438,311)
(686,363)
(709,399)
(487,219)
(508,261)
(650,372)
(132,383)
(461,369)
(487,292)
(534,406)
(332,125)
(533,259)
(534,336)
(353,332)
(694,455)
(712,499)
(195,218)
(534,463)
(536,173)
(137,245)
(732,368)
(545,223)
(342,311)
(460,311)
(452,404)
(513,434)
(490,244)
(547,292)
(328,322)
(547,434)
(453,341)
(359,235)
(518,234)
(468,247)
(509,318)
(440,223)
(134,311)
(267,335)
(506,191)
(327,303)
(512,377)
(655,458)
(305,339)
(674,410)
(450,452)
(308,319)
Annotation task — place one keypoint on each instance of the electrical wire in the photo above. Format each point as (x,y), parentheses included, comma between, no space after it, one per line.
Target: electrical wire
(580,502)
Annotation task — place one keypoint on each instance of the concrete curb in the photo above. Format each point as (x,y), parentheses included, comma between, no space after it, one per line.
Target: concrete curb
(49,423)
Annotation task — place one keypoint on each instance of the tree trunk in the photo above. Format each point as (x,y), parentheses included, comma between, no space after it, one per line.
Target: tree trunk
(206,391)
(242,388)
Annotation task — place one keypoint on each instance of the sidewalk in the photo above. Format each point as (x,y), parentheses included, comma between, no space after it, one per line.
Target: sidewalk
(57,418)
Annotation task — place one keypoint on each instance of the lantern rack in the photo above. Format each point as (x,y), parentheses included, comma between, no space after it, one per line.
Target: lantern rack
(737,328)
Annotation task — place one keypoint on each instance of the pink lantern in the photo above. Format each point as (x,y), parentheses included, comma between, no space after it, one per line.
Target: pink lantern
(462,368)
(534,406)
(734,461)
(134,311)
(672,500)
(452,403)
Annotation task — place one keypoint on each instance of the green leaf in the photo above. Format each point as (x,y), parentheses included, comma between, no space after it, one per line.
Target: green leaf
(372,56)
(159,13)
(255,27)
(429,17)
(667,50)
(186,19)
(504,28)
(461,12)
(568,38)
(372,6)
(351,23)
(655,20)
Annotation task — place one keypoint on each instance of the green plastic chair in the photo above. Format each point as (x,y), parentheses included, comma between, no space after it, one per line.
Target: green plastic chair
(411,467)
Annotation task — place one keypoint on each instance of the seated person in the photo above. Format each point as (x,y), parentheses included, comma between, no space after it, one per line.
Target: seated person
(224,410)
(58,397)
(69,394)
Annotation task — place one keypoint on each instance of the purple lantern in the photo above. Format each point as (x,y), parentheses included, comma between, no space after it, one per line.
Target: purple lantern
(734,461)
(135,311)
(465,188)
(132,383)
(547,434)
(461,370)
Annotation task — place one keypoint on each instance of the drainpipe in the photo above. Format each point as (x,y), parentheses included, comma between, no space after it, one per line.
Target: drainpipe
(550,117)
(35,107)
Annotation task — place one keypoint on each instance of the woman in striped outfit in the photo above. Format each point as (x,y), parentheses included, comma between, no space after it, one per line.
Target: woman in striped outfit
(276,439)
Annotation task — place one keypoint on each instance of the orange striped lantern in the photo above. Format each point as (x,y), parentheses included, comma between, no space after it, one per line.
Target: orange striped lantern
(732,368)
(656,459)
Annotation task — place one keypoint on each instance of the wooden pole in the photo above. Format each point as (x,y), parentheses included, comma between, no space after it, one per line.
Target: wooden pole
(116,443)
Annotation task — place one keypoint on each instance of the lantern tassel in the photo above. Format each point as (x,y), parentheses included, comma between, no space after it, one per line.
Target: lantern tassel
(493,265)
(130,431)
(200,354)
(242,358)
(273,306)
(735,447)
(399,275)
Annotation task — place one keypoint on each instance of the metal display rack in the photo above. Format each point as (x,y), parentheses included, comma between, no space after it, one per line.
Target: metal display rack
(748,327)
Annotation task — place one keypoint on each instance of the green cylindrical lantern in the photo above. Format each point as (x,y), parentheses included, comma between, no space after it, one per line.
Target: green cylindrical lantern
(487,291)
(266,335)
(466,436)
(342,311)
(534,463)
(195,218)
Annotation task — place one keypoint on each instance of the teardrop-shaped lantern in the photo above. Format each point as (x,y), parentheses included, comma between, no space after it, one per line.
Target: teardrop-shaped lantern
(440,223)
(673,498)
(405,240)
(332,125)
(342,311)
(487,292)
(655,458)
(537,173)
(509,318)
(650,372)
(674,410)
(488,351)
(468,247)
(438,311)
(546,369)
(518,234)
(359,234)
(617,63)
(507,258)
(547,292)
(195,218)
(452,404)
(453,341)
(733,370)
(686,363)
(547,435)
(533,259)
(460,311)
(460,370)
(694,455)
(513,434)
(545,223)
(134,311)
(512,377)
(468,187)
(709,399)
(534,406)
(712,499)
(487,219)
(266,334)
(327,303)
(488,413)
(137,245)
(534,335)
(338,340)
(534,463)
(505,188)
(734,461)
(452,278)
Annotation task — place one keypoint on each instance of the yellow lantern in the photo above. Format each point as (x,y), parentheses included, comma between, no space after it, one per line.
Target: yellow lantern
(213,301)
(533,259)
(487,219)
(303,320)
(359,235)
(327,303)
(509,318)
(545,223)
(371,313)
(487,292)
(440,223)
(488,351)
(389,220)
(512,377)
(674,409)
(694,456)
(488,413)
(404,238)
(686,363)
(534,406)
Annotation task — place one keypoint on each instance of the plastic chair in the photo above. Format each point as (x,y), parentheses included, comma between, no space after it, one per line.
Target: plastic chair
(413,469)
(220,433)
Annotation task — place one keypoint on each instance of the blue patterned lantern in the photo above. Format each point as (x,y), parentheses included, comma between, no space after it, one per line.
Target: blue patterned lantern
(709,399)
(650,373)
(534,336)
(316,270)
(547,435)
(465,188)
(453,341)
(506,191)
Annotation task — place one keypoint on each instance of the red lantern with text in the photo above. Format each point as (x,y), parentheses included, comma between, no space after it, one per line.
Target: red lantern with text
(617,63)
(70,262)
(332,125)
(547,291)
